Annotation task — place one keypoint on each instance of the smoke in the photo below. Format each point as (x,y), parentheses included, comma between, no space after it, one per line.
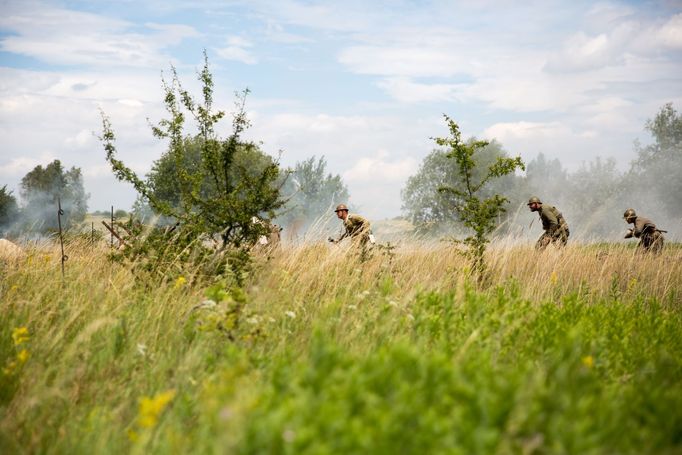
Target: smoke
(592,200)
(38,215)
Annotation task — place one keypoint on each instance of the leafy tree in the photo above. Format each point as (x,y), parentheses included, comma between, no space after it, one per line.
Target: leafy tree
(311,192)
(8,208)
(658,166)
(43,186)
(215,193)
(164,177)
(477,212)
(430,209)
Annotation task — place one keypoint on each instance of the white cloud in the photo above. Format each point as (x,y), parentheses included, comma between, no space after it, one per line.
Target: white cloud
(237,49)
(505,132)
(70,37)
(21,165)
(424,61)
(277,33)
(671,33)
(407,91)
(97,171)
(381,168)
(81,139)
(330,16)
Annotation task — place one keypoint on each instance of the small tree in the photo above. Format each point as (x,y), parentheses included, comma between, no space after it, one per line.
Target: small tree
(215,193)
(476,213)
(432,211)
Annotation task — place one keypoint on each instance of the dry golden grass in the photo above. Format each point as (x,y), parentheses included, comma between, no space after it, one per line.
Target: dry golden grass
(319,271)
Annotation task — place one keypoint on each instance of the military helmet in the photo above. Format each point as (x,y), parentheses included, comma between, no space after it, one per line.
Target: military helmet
(341,207)
(534,200)
(629,213)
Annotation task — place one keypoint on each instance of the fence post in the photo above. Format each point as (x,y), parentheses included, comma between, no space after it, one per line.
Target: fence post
(60,213)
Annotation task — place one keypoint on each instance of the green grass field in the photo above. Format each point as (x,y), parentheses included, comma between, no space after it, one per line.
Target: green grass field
(576,351)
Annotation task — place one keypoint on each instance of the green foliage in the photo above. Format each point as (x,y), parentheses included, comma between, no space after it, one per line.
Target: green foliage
(476,374)
(477,213)
(430,209)
(8,208)
(212,187)
(41,188)
(311,193)
(367,366)
(164,181)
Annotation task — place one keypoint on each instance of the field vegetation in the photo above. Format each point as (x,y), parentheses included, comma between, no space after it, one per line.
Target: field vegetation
(571,351)
(197,337)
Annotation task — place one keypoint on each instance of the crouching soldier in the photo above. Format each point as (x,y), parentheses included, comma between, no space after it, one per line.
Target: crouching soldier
(553,223)
(355,227)
(650,238)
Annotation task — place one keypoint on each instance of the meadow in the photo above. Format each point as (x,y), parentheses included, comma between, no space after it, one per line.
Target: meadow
(577,351)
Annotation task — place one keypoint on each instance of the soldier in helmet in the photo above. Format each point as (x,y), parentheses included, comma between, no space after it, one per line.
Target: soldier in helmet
(355,227)
(553,222)
(650,238)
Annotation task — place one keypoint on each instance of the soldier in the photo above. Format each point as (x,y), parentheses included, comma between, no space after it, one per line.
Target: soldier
(356,227)
(650,238)
(553,222)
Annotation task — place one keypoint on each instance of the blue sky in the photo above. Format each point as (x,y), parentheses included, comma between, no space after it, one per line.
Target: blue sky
(363,84)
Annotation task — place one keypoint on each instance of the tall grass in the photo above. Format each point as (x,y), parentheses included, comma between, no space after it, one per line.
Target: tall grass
(571,351)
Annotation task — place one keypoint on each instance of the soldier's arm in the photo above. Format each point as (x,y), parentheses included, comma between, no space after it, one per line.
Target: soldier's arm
(628,234)
(642,226)
(343,235)
(365,225)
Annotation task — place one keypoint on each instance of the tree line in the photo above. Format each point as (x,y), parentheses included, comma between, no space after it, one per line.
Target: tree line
(218,185)
(592,197)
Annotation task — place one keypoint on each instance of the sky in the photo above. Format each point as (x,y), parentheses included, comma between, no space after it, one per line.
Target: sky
(362,84)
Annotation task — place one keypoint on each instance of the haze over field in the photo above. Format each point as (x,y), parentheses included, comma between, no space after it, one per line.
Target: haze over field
(363,85)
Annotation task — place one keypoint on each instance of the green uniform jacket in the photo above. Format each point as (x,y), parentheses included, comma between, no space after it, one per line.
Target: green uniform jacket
(643,225)
(552,219)
(356,227)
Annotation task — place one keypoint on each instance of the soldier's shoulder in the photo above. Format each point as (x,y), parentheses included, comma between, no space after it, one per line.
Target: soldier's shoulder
(355,217)
(643,221)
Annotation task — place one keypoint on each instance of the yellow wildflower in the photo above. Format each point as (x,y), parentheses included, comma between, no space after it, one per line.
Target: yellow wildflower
(22,356)
(133,436)
(588,361)
(151,408)
(20,335)
(180,282)
(553,278)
